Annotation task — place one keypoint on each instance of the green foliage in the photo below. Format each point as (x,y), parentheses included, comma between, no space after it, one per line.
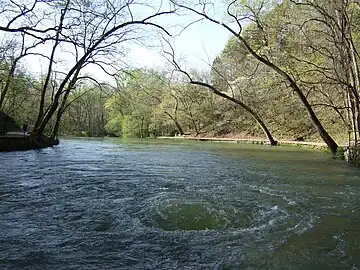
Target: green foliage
(147,103)
(299,41)
(113,126)
(85,114)
(340,154)
(21,97)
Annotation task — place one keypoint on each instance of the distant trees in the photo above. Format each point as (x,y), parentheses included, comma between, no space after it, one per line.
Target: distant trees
(335,25)
(222,91)
(290,70)
(265,41)
(130,108)
(85,113)
(85,33)
(13,50)
(148,103)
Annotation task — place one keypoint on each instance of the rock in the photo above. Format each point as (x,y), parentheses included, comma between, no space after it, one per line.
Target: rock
(8,144)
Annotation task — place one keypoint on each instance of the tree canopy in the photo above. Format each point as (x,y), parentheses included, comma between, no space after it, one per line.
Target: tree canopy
(290,70)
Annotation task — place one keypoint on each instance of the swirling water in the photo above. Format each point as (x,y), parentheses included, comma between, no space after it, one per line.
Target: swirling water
(93,204)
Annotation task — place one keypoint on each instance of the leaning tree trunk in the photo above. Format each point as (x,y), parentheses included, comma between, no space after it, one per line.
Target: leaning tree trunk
(332,145)
(179,128)
(38,124)
(256,117)
(60,112)
(56,102)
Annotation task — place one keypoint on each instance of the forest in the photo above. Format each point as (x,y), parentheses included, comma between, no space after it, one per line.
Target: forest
(290,70)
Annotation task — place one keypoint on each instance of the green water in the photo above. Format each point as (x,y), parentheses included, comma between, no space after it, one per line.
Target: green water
(152,204)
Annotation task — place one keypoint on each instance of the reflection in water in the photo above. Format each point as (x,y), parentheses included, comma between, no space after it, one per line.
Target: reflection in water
(135,205)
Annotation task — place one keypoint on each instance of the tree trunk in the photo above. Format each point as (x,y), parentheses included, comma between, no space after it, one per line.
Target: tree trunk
(314,120)
(50,70)
(179,128)
(332,145)
(54,106)
(61,110)
(257,118)
(9,78)
(55,132)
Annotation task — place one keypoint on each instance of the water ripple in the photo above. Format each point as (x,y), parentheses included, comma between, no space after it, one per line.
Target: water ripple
(91,204)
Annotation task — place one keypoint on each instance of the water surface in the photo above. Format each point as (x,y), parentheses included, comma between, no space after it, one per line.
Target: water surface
(93,204)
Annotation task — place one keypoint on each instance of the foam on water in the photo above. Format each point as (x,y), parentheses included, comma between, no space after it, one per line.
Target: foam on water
(103,205)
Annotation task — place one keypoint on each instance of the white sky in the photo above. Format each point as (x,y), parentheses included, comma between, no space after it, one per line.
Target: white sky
(196,46)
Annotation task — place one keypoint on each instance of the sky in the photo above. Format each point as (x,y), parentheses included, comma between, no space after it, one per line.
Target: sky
(196,46)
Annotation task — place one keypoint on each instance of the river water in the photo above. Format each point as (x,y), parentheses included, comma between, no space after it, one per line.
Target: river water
(93,204)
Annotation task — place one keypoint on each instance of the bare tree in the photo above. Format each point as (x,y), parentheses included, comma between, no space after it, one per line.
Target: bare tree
(255,15)
(101,35)
(171,111)
(334,21)
(93,33)
(213,89)
(25,16)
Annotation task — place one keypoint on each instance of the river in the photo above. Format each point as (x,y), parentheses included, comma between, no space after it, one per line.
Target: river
(107,204)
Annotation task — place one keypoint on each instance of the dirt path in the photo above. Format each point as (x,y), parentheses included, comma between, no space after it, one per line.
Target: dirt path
(250,141)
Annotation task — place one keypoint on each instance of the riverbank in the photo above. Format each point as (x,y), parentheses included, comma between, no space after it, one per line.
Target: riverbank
(352,155)
(311,145)
(16,143)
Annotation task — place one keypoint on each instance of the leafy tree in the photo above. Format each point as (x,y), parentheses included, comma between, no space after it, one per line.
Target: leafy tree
(92,31)
(255,10)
